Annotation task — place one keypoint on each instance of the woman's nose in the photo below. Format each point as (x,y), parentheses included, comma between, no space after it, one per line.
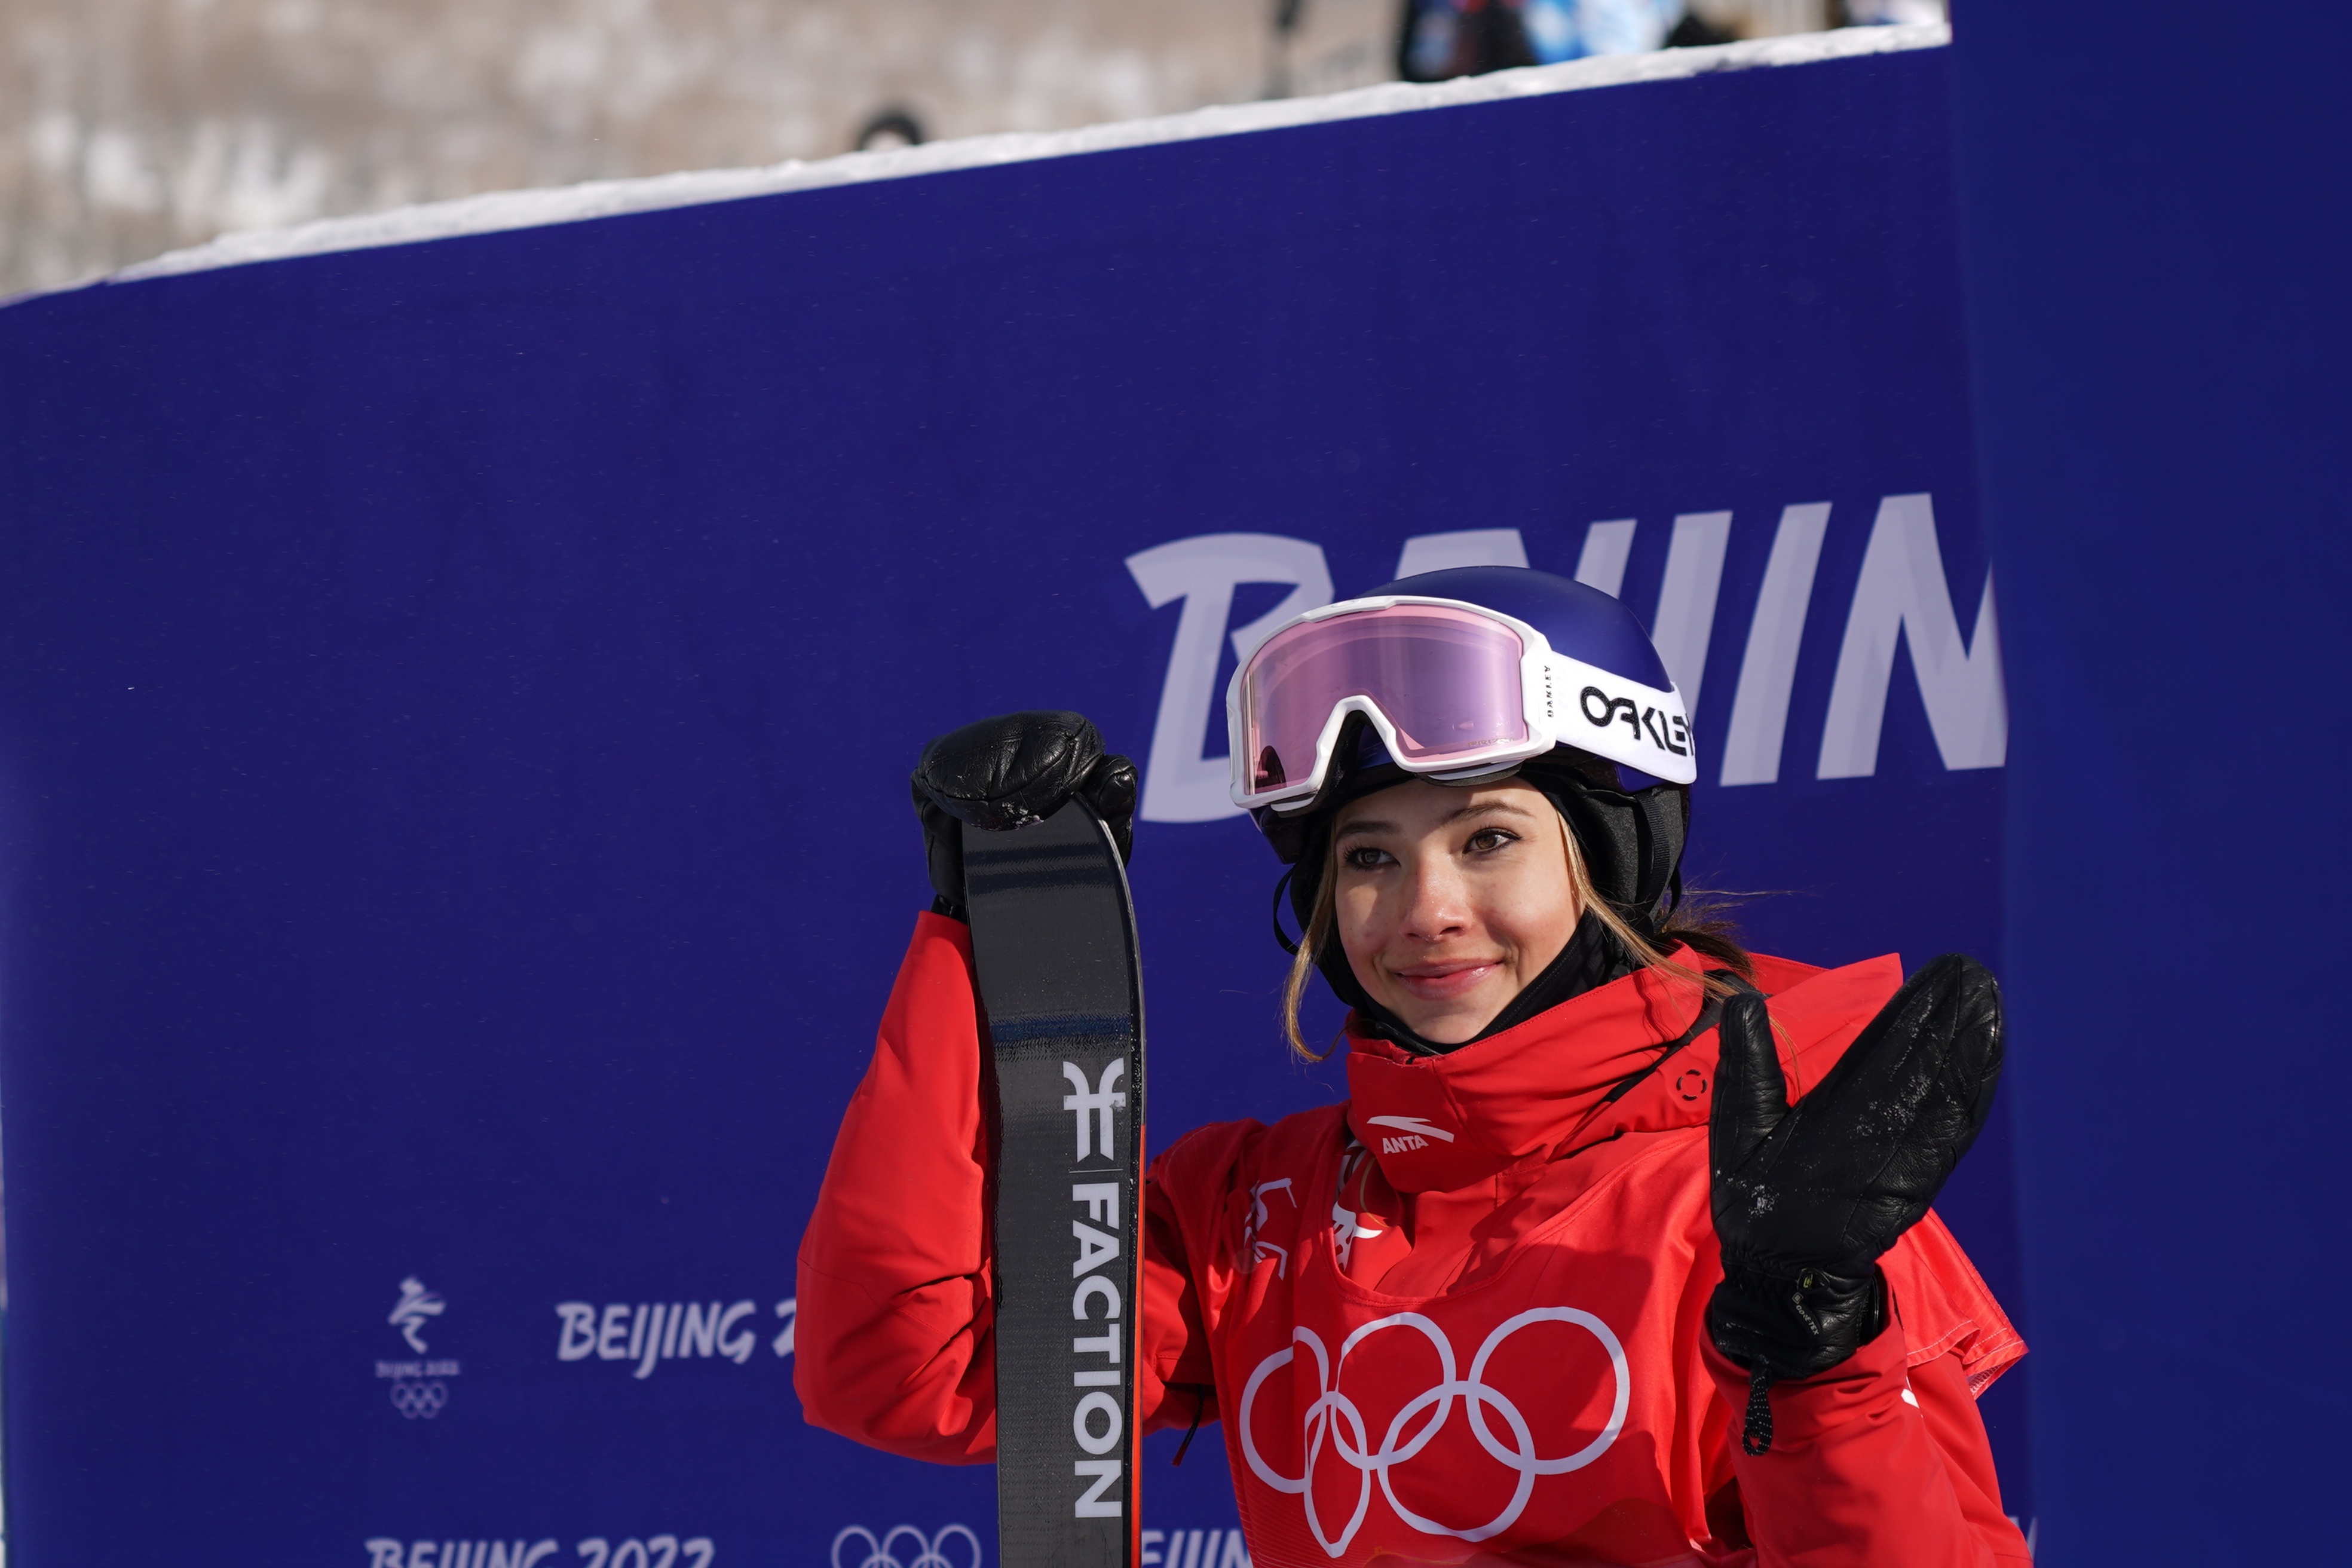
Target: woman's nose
(1434,906)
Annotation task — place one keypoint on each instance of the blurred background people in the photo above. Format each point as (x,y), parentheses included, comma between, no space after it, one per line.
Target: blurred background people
(1442,38)
(133,126)
(1891,13)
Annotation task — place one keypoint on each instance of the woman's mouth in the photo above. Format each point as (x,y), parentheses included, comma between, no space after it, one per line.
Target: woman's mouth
(1442,980)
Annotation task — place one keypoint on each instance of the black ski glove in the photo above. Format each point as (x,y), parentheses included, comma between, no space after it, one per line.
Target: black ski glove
(1807,1197)
(1010,771)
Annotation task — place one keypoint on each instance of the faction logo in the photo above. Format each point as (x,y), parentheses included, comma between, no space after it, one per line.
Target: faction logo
(419,1391)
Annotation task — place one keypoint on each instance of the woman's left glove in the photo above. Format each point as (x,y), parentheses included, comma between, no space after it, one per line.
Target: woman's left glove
(1006,773)
(1808,1196)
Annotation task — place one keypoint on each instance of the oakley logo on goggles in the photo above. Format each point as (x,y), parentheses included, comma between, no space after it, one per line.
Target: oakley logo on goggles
(1455,690)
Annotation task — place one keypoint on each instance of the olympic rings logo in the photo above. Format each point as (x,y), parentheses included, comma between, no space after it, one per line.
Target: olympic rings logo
(1334,1421)
(416,1399)
(883,1553)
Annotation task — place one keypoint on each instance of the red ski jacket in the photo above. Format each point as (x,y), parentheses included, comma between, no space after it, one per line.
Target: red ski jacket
(1457,1319)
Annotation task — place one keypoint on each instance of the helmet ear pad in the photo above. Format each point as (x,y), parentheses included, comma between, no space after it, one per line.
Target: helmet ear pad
(1633,839)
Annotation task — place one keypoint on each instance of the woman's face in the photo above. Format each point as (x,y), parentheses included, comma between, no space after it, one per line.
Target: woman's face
(1449,901)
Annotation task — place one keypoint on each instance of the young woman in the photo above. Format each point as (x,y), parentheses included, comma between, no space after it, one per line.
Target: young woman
(1568,1279)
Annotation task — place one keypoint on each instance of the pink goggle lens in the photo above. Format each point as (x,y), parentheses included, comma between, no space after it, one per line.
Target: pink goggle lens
(1448,681)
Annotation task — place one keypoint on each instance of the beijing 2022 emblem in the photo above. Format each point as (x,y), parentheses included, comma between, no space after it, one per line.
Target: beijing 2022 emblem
(420,1390)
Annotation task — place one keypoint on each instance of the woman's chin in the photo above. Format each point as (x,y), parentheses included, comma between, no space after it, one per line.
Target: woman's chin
(1453,1023)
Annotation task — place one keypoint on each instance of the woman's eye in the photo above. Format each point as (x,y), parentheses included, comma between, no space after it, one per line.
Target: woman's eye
(1365,858)
(1489,838)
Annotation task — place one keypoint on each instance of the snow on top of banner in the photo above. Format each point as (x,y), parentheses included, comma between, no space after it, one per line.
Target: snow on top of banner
(502,210)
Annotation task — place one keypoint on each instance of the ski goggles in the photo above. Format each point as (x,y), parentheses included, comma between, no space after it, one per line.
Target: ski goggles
(1457,692)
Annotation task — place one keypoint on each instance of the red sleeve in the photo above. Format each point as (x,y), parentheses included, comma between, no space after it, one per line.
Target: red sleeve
(893,1344)
(1875,1461)
(1188,1275)
(1174,1379)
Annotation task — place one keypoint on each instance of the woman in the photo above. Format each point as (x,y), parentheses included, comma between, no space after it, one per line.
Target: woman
(1567,1278)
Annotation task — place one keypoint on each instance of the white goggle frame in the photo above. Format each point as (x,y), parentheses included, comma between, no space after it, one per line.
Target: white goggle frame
(1565,702)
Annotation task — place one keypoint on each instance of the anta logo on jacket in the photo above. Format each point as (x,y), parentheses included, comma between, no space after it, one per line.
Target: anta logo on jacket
(1416,1133)
(1457,1319)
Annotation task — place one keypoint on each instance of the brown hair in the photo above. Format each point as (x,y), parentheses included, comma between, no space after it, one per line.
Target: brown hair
(1700,921)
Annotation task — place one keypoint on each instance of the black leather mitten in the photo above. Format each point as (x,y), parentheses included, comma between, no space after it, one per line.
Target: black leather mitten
(1807,1197)
(1010,771)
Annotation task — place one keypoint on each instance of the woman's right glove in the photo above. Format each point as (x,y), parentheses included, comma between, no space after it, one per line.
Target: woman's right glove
(1006,773)
(1808,1196)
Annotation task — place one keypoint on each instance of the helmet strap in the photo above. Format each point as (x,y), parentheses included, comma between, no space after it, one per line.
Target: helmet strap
(1281,935)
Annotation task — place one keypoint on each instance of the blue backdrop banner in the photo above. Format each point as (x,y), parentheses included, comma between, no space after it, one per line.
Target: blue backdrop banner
(2157,242)
(456,702)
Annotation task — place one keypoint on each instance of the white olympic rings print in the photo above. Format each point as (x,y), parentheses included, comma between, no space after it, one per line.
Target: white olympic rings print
(883,1553)
(416,1399)
(1325,1418)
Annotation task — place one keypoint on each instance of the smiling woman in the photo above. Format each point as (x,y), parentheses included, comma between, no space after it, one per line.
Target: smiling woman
(1447,907)
(1690,1321)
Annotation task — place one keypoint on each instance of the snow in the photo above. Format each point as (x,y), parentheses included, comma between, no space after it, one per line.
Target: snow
(508,210)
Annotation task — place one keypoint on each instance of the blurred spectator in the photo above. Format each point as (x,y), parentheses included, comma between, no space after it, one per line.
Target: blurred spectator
(1442,38)
(1696,32)
(128,127)
(888,129)
(1892,13)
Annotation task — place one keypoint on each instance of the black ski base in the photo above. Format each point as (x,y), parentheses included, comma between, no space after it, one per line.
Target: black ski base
(1053,933)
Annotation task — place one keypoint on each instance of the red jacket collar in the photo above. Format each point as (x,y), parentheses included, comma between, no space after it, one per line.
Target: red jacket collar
(1438,1123)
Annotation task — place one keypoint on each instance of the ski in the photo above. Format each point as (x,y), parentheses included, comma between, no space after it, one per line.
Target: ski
(1061,992)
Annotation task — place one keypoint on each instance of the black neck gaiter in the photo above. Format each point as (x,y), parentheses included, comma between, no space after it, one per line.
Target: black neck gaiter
(1591,959)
